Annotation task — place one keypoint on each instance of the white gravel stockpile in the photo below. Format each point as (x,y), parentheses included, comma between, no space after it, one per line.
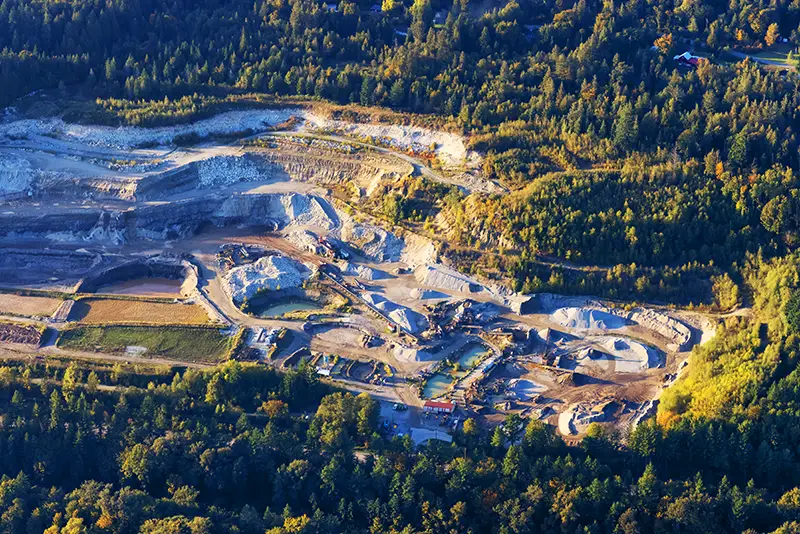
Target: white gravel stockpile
(425,294)
(587,319)
(269,273)
(405,318)
(227,170)
(524,389)
(16,174)
(441,277)
(630,356)
(363,272)
(127,137)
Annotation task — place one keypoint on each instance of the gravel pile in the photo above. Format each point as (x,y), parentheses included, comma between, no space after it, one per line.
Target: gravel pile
(269,273)
(227,170)
(405,318)
(631,356)
(441,277)
(587,319)
(363,272)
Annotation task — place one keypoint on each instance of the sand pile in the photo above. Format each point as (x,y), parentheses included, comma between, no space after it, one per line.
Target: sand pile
(16,174)
(363,272)
(587,319)
(631,356)
(405,318)
(269,273)
(425,294)
(227,170)
(442,277)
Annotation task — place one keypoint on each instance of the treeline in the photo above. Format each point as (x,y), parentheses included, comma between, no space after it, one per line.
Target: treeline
(241,448)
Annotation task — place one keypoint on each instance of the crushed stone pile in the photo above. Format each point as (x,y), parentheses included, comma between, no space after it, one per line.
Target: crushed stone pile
(679,335)
(363,272)
(425,294)
(269,273)
(675,331)
(409,320)
(405,318)
(442,277)
(630,355)
(587,319)
(379,301)
(525,390)
(16,174)
(409,354)
(227,170)
(302,239)
(127,137)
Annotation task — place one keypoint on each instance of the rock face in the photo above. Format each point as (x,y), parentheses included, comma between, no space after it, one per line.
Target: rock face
(16,175)
(269,273)
(173,220)
(376,244)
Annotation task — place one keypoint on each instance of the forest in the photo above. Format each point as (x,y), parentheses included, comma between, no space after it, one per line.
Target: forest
(628,177)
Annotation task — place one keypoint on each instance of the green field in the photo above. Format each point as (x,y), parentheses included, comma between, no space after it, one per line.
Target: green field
(178,343)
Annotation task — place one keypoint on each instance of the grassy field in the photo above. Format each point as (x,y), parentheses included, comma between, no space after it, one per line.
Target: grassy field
(104,311)
(27,306)
(172,342)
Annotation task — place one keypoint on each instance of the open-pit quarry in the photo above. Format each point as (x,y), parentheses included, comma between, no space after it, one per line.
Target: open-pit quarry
(174,245)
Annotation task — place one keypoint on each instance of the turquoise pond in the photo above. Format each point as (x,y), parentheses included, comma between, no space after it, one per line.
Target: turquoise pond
(472,355)
(437,385)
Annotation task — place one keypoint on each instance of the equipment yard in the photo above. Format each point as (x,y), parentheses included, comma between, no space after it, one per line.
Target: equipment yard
(258,250)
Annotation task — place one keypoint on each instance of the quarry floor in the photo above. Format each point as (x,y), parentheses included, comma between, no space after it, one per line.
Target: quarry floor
(61,155)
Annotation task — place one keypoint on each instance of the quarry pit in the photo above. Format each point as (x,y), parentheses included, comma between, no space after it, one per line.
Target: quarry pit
(125,242)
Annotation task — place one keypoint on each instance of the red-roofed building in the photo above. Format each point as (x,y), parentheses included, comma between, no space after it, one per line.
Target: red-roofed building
(688,60)
(439,407)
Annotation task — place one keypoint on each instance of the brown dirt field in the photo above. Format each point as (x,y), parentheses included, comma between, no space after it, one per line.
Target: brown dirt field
(27,306)
(102,311)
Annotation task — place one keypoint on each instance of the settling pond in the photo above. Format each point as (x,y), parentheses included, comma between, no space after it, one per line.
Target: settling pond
(277,309)
(438,384)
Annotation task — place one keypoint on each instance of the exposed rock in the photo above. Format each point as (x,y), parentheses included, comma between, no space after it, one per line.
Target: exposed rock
(269,273)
